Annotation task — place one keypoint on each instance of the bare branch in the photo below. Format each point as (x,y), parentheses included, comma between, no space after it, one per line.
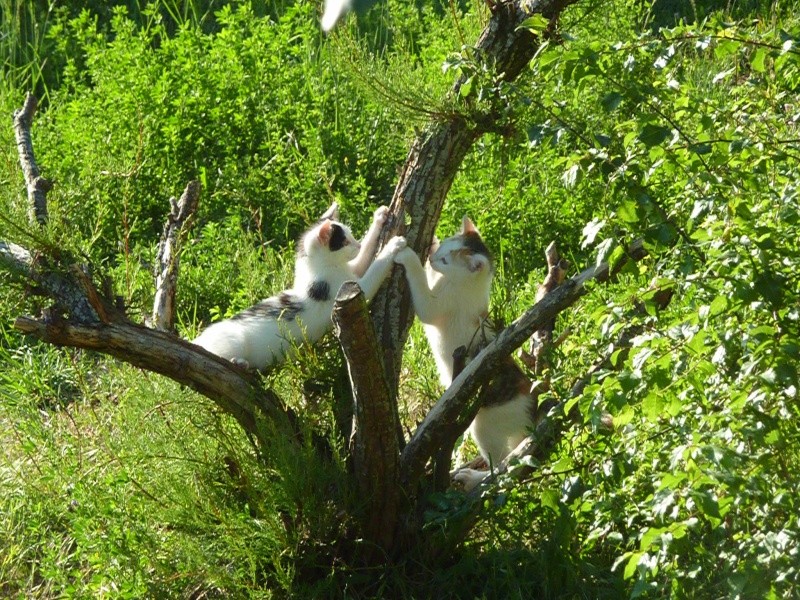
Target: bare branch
(21,263)
(232,389)
(168,259)
(37,185)
(541,338)
(373,443)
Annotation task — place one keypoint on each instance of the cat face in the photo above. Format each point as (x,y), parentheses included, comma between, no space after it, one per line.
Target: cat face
(463,255)
(331,239)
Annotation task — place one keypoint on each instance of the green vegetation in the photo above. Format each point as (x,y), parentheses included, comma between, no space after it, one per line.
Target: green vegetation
(115,482)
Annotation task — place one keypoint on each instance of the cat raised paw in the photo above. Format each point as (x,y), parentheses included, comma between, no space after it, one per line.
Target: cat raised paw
(381,215)
(395,245)
(404,256)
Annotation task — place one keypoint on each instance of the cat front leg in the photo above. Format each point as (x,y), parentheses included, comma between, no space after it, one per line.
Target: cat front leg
(361,262)
(421,295)
(380,267)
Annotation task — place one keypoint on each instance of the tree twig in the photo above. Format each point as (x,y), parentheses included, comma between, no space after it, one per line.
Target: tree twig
(37,185)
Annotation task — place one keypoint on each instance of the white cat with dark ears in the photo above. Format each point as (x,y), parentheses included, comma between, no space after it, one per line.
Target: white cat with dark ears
(451,299)
(327,256)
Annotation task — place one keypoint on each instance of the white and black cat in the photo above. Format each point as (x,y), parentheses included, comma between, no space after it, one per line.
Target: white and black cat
(451,298)
(327,256)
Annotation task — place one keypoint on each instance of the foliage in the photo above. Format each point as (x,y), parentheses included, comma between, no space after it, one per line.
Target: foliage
(115,482)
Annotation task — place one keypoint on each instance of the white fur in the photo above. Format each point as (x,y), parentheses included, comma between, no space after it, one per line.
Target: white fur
(334,10)
(451,298)
(260,341)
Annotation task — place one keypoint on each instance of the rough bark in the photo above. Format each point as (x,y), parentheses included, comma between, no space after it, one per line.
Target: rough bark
(45,281)
(168,260)
(36,185)
(373,443)
(435,157)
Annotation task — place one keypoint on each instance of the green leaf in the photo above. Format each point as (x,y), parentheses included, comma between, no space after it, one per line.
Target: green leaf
(535,23)
(650,536)
(549,500)
(628,211)
(757,60)
(707,503)
(633,562)
(611,101)
(653,405)
(726,47)
(466,87)
(652,135)
(718,306)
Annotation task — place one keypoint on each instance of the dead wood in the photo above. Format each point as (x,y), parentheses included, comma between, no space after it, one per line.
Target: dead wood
(36,185)
(168,259)
(236,392)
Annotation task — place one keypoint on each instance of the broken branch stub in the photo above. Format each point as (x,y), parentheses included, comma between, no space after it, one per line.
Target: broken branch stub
(168,258)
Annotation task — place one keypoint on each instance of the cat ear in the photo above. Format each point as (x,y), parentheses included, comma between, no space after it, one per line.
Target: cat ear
(434,246)
(332,213)
(324,233)
(478,262)
(467,226)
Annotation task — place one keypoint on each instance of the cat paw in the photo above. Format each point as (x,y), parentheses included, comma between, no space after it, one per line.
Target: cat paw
(469,478)
(381,215)
(395,245)
(241,362)
(404,256)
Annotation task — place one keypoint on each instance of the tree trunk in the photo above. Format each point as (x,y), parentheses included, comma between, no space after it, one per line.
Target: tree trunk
(434,160)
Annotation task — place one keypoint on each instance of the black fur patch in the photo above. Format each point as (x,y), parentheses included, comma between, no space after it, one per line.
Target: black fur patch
(284,306)
(319,291)
(338,238)
(473,242)
(507,383)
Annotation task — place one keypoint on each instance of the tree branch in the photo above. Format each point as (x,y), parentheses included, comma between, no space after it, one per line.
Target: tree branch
(373,443)
(70,296)
(168,260)
(434,159)
(37,185)
(235,391)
